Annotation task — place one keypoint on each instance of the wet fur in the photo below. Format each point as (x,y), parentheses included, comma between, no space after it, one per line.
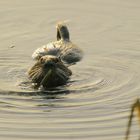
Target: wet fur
(59,76)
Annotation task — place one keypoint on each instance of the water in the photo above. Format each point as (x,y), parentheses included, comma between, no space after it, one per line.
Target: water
(96,102)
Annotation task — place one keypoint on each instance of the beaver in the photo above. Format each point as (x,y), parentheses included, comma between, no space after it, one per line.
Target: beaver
(49,71)
(62,47)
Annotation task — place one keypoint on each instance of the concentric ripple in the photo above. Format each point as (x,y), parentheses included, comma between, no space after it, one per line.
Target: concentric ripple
(95,103)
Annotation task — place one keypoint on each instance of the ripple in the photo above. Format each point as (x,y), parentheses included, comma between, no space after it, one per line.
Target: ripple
(95,104)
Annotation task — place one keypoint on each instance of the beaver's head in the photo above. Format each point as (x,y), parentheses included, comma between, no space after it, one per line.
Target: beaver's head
(49,71)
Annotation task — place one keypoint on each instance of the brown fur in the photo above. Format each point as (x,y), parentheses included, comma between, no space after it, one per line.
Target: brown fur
(59,76)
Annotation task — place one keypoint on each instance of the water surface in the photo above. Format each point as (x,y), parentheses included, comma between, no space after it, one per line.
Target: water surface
(95,104)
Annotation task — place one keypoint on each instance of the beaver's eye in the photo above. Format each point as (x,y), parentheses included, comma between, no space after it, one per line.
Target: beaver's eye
(56,60)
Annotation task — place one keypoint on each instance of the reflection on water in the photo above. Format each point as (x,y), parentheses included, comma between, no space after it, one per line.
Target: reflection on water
(95,103)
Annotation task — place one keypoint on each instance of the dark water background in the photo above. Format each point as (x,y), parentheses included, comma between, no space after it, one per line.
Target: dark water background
(96,102)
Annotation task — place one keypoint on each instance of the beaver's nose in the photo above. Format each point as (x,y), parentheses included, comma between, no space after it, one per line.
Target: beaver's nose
(49,64)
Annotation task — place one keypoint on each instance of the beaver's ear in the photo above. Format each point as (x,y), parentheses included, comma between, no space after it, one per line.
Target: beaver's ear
(41,60)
